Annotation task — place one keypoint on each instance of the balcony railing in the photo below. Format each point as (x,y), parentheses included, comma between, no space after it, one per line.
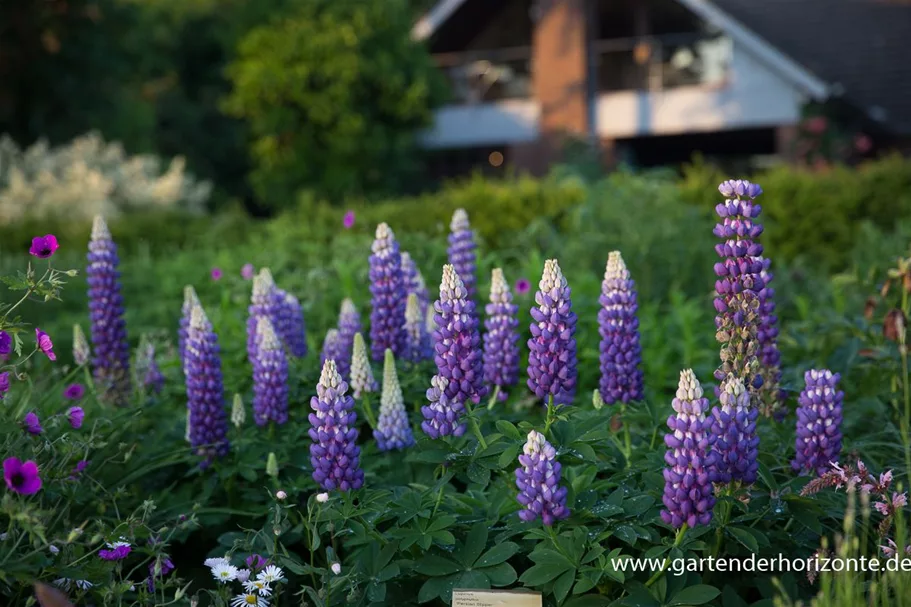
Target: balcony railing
(489,75)
(660,63)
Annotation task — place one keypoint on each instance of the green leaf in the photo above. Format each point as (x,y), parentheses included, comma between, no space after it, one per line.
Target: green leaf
(695,595)
(441,522)
(508,457)
(626,533)
(376,593)
(588,601)
(388,572)
(543,573)
(563,585)
(545,556)
(497,554)
(479,474)
(435,587)
(501,575)
(474,544)
(635,506)
(744,537)
(508,430)
(433,565)
(730,598)
(766,475)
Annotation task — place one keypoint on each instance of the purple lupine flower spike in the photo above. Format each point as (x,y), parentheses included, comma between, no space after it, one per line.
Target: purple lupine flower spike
(388,295)
(501,338)
(349,324)
(334,453)
(771,395)
(393,430)
(289,323)
(538,480)
(270,376)
(739,283)
(362,380)
(552,356)
(687,478)
(457,342)
(207,417)
(190,301)
(443,416)
(819,414)
(414,282)
(108,327)
(462,250)
(150,374)
(733,426)
(417,342)
(264,302)
(331,348)
(621,353)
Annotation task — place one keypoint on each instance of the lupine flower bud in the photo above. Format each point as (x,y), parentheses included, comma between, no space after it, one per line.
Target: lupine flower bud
(208,420)
(819,414)
(331,347)
(265,301)
(393,430)
(552,356)
(362,381)
(734,430)
(334,453)
(238,411)
(739,282)
(414,283)
(417,340)
(81,351)
(462,251)
(289,324)
(621,354)
(270,376)
(688,485)
(147,369)
(109,330)
(388,294)
(190,301)
(501,338)
(771,394)
(457,342)
(272,465)
(349,324)
(538,480)
(443,416)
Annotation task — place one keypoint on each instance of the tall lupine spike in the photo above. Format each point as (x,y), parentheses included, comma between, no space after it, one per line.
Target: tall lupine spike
(414,282)
(208,418)
(417,343)
(190,301)
(264,302)
(393,430)
(148,371)
(552,356)
(388,295)
(331,348)
(734,430)
(819,415)
(349,324)
(739,283)
(270,376)
(462,250)
(109,330)
(457,342)
(538,480)
(81,351)
(443,416)
(687,478)
(334,453)
(289,323)
(621,353)
(362,381)
(501,338)
(771,395)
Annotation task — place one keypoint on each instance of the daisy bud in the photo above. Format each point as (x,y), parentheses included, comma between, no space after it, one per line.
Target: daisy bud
(281,495)
(336,568)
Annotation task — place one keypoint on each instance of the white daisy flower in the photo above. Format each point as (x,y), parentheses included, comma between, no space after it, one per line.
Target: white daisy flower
(322,497)
(220,560)
(243,575)
(271,574)
(84,584)
(249,599)
(260,586)
(63,583)
(224,573)
(336,568)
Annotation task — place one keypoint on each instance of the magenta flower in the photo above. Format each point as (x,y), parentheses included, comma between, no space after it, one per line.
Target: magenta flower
(6,344)
(348,221)
(116,551)
(21,477)
(75,415)
(44,246)
(45,344)
(74,392)
(248,271)
(216,273)
(31,423)
(523,286)
(81,465)
(4,384)
(256,562)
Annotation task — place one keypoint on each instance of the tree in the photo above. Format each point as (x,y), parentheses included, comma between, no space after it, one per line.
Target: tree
(333,93)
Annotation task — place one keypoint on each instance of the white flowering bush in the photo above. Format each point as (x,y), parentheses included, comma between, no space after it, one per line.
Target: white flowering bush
(88,177)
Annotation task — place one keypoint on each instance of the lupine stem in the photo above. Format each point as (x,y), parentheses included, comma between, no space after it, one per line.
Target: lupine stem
(657,575)
(476,428)
(493,397)
(551,414)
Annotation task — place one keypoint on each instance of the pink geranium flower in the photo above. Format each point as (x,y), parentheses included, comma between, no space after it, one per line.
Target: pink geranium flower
(21,477)
(348,220)
(44,246)
(45,344)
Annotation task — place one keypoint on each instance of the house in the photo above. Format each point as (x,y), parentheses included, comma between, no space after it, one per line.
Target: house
(652,81)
